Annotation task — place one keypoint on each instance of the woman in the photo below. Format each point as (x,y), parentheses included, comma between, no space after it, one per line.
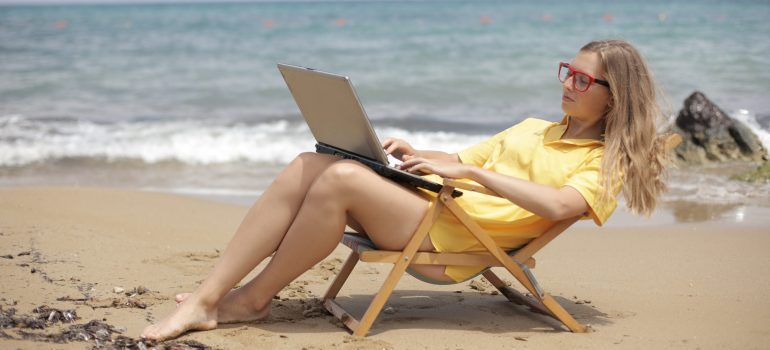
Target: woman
(546,172)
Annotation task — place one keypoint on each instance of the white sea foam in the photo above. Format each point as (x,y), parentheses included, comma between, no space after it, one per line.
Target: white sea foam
(714,188)
(26,141)
(239,159)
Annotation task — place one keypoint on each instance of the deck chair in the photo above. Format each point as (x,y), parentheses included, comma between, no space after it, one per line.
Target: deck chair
(518,262)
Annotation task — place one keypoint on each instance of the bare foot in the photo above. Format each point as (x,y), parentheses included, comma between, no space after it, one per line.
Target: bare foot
(187,317)
(234,308)
(179,298)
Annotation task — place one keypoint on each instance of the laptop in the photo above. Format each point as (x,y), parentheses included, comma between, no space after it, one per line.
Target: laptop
(339,123)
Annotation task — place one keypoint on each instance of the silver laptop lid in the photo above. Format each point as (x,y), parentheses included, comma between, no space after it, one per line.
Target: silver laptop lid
(332,110)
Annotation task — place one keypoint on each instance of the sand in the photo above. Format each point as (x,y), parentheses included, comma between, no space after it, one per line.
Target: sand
(119,256)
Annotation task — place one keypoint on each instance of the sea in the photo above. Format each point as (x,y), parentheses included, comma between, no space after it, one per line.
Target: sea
(186,97)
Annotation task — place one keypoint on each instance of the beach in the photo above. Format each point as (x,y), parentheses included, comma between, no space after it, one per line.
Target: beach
(134,136)
(695,285)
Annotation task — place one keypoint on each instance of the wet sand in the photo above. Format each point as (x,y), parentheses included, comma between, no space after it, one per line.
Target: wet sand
(117,257)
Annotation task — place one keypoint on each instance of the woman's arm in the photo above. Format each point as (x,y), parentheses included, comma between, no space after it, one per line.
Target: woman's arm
(545,201)
(548,202)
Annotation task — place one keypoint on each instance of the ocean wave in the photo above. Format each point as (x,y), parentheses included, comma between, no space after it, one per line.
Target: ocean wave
(25,141)
(702,185)
(239,159)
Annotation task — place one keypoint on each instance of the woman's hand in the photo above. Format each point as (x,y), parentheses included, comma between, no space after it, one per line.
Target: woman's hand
(398,148)
(418,165)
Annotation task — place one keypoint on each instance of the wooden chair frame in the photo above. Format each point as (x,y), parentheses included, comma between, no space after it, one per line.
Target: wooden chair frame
(518,265)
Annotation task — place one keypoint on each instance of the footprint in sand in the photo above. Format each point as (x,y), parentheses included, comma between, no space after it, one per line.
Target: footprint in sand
(327,268)
(620,314)
(359,343)
(139,297)
(188,263)
(202,256)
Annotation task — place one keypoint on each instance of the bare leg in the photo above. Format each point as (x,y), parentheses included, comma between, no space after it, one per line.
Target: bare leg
(257,237)
(388,212)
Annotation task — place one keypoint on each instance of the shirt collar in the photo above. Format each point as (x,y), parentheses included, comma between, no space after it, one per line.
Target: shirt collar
(554,133)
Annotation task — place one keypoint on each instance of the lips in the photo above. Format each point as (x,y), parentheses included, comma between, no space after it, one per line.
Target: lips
(566,98)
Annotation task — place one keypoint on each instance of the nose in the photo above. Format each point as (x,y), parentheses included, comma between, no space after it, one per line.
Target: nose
(567,84)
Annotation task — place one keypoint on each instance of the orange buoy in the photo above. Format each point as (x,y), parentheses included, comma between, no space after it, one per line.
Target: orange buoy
(340,22)
(268,23)
(485,20)
(608,17)
(61,24)
(547,17)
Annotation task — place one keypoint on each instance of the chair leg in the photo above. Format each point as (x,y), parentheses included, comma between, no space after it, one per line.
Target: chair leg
(380,299)
(547,306)
(328,299)
(399,267)
(562,315)
(342,276)
(515,296)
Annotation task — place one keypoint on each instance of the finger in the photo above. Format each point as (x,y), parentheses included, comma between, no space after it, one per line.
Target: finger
(414,161)
(422,168)
(406,166)
(410,161)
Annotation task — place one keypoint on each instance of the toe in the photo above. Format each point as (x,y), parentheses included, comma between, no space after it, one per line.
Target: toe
(181,297)
(149,332)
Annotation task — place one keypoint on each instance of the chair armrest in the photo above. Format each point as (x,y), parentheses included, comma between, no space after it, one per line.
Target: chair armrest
(470,187)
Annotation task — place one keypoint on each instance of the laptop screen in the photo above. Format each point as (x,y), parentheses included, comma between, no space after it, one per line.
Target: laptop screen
(333,111)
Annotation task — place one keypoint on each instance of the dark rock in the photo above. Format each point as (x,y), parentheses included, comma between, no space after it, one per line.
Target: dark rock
(710,135)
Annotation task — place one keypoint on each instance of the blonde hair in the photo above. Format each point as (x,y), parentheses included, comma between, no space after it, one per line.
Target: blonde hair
(634,154)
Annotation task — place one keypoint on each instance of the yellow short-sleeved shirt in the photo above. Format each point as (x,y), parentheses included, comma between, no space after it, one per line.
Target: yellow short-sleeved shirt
(531,150)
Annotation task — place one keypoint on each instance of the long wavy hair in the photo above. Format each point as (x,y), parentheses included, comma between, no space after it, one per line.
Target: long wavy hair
(634,153)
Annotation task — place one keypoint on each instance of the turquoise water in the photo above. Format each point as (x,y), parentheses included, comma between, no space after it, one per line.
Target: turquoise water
(163,89)
(432,59)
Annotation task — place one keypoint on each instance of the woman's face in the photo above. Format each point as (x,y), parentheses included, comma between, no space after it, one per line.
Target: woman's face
(589,105)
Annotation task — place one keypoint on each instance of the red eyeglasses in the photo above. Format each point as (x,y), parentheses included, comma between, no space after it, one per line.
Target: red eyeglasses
(581,81)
